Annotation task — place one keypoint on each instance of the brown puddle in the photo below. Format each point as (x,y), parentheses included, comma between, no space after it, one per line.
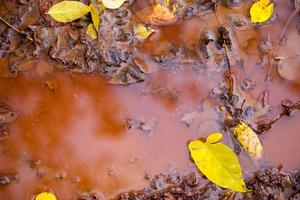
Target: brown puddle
(76,124)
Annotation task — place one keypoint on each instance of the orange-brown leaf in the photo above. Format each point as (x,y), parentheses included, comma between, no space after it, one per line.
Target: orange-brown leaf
(161,14)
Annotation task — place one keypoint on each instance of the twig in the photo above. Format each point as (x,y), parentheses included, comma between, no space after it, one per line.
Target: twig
(219,20)
(17,30)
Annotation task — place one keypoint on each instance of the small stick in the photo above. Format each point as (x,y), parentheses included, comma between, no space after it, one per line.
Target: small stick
(17,30)
(216,12)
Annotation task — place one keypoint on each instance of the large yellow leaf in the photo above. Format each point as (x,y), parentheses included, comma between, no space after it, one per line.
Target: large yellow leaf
(67,11)
(248,139)
(95,16)
(45,196)
(113,4)
(218,163)
(261,11)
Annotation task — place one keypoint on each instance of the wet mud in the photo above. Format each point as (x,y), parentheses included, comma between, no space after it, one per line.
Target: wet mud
(93,119)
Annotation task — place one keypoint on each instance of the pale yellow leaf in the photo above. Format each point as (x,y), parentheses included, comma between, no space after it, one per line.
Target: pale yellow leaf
(113,4)
(219,164)
(142,32)
(248,139)
(67,11)
(95,16)
(91,31)
(261,11)
(45,196)
(214,138)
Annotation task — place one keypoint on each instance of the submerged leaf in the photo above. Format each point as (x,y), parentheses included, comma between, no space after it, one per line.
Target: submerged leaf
(289,68)
(95,17)
(297,4)
(45,196)
(248,139)
(261,11)
(142,32)
(218,163)
(91,31)
(67,11)
(113,4)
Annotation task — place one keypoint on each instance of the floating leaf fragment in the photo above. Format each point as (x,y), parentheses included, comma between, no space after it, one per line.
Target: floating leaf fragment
(67,11)
(113,4)
(142,32)
(95,16)
(91,31)
(261,11)
(248,139)
(45,196)
(167,2)
(175,7)
(218,163)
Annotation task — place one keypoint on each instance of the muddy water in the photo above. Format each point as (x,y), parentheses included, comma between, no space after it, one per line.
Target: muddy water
(75,125)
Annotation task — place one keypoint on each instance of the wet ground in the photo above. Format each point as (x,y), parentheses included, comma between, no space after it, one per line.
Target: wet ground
(75,132)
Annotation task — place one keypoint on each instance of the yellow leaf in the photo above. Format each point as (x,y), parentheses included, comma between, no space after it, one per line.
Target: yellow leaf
(95,16)
(67,11)
(261,11)
(91,31)
(248,139)
(142,32)
(214,138)
(45,196)
(218,163)
(113,4)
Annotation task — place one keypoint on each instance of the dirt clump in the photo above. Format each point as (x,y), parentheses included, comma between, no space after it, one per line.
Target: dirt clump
(269,183)
(7,178)
(7,115)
